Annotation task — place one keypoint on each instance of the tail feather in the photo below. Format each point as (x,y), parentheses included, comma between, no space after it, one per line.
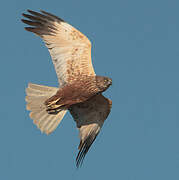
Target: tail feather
(36,96)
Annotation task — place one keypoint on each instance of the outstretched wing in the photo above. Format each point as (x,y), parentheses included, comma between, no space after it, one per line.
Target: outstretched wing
(89,117)
(69,48)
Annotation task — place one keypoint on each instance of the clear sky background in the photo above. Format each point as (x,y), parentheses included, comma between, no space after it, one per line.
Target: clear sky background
(136,43)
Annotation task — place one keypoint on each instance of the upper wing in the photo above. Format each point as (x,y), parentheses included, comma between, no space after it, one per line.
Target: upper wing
(89,117)
(69,48)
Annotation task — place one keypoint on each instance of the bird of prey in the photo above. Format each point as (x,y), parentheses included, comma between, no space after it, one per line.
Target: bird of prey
(80,89)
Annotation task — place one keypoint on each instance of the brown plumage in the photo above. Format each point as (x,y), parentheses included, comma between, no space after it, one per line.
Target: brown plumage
(80,90)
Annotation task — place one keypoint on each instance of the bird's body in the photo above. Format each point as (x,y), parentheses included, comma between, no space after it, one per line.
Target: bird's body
(76,92)
(80,90)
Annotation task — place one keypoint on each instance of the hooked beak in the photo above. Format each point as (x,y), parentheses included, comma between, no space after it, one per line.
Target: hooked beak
(110,81)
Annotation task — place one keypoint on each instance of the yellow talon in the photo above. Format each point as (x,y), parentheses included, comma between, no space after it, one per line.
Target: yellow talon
(53,102)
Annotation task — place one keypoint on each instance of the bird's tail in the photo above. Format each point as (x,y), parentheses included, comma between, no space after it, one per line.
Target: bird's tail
(36,97)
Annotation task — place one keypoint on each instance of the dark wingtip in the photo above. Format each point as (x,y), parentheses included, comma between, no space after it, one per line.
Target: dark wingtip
(25,15)
(28,29)
(84,147)
(30,11)
(40,24)
(23,20)
(51,15)
(32,29)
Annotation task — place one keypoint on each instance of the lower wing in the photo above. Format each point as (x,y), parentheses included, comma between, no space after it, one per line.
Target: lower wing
(89,117)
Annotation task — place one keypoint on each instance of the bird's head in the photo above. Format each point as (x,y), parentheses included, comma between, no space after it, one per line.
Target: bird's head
(103,82)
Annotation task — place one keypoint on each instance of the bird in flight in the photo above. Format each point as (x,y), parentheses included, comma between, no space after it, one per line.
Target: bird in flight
(80,89)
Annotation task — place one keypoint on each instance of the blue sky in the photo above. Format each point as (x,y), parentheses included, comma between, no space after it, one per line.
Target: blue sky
(136,43)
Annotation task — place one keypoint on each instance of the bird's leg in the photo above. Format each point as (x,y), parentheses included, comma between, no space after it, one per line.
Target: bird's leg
(52,106)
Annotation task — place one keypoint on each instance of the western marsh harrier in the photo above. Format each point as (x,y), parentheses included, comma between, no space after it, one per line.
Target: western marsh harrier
(80,89)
